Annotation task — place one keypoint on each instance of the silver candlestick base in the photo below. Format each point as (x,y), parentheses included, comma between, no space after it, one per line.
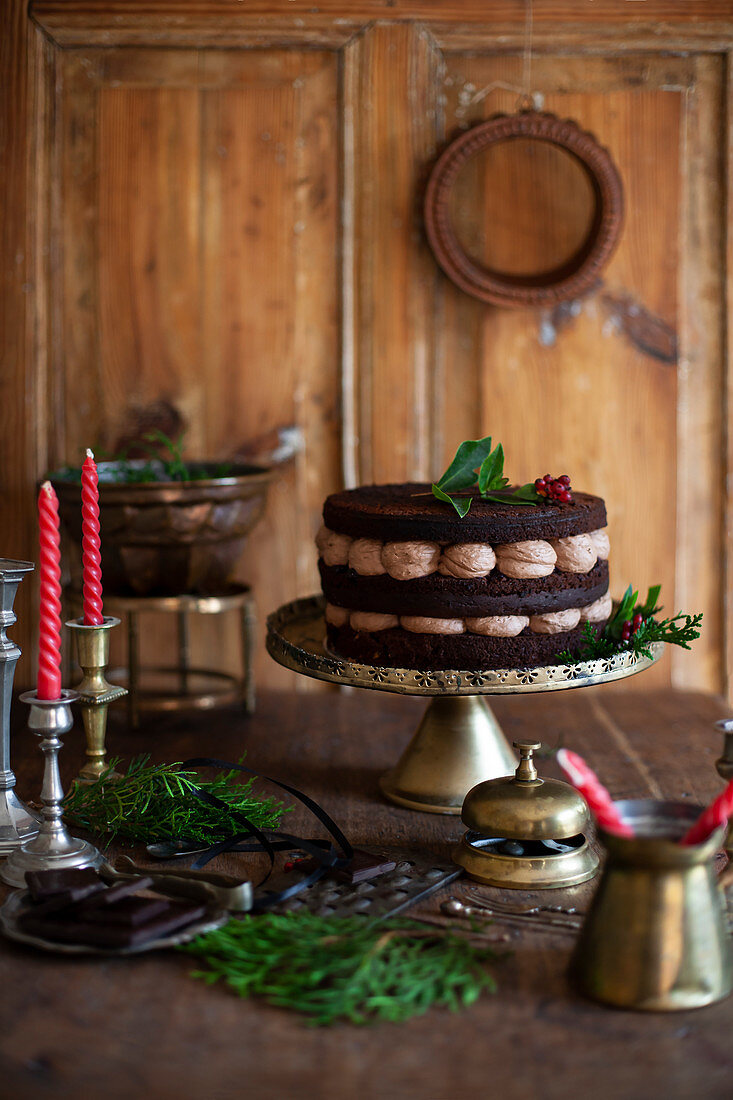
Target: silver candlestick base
(53,848)
(17,822)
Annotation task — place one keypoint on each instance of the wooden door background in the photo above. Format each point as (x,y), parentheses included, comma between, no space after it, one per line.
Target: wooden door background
(214,215)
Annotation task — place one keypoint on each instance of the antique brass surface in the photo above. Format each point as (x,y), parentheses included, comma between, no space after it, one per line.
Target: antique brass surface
(53,848)
(524,806)
(168,537)
(541,872)
(724,768)
(459,742)
(296,635)
(182,686)
(95,694)
(541,814)
(656,936)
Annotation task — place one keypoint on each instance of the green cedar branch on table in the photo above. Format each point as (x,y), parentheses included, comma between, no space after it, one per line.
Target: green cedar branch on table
(344,968)
(153,802)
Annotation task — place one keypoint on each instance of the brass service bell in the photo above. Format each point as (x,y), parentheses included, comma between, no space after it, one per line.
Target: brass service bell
(524,832)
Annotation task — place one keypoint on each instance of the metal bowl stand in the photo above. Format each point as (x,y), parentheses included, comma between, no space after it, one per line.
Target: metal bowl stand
(459,742)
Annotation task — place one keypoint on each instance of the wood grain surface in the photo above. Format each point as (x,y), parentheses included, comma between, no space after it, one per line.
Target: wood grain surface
(142,1026)
(230,239)
(557,25)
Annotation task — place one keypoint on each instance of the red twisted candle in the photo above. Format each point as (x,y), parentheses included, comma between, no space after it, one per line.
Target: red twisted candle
(717,814)
(90,546)
(49,643)
(585,780)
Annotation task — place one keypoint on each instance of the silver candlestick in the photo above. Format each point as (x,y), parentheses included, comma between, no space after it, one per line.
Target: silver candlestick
(53,848)
(17,822)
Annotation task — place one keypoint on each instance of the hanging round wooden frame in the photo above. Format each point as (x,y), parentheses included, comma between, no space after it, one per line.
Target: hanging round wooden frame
(573,278)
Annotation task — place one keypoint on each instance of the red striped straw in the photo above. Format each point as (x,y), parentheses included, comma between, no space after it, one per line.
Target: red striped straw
(600,803)
(717,814)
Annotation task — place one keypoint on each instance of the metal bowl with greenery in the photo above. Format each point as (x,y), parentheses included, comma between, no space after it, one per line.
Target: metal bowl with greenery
(168,527)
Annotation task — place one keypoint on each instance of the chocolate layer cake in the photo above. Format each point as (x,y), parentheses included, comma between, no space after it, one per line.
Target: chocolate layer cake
(410,584)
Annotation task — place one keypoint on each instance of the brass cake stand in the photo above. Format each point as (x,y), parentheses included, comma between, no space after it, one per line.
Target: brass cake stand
(459,742)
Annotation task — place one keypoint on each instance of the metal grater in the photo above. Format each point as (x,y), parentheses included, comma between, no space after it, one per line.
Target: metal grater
(415,876)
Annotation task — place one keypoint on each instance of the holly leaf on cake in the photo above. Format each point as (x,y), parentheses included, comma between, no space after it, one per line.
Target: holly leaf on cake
(461,504)
(459,481)
(490,475)
(461,474)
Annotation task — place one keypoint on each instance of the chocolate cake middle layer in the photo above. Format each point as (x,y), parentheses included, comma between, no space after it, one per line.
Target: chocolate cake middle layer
(449,597)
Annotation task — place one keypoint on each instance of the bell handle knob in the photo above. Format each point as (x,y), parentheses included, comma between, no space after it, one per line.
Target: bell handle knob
(526,772)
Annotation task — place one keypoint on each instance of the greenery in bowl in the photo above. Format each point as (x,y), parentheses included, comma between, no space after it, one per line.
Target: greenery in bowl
(166,463)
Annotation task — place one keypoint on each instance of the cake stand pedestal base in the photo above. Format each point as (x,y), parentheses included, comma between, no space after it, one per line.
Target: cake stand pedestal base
(457,745)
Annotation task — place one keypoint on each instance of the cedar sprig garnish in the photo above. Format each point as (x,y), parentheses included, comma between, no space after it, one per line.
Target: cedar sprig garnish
(153,802)
(344,968)
(476,465)
(679,630)
(632,627)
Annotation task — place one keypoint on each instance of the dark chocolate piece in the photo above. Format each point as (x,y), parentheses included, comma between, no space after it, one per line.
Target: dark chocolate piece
(66,901)
(114,894)
(454,598)
(177,915)
(400,648)
(129,912)
(45,884)
(395,513)
(362,867)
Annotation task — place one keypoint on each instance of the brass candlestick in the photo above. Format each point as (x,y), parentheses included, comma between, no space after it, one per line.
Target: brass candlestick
(95,694)
(53,848)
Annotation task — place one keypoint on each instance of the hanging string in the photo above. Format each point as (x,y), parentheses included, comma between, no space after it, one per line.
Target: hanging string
(526,102)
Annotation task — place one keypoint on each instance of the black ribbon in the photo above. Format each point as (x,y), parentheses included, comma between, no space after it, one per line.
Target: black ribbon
(324,852)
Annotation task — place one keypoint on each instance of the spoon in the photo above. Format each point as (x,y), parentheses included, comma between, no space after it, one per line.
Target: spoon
(455,908)
(175,849)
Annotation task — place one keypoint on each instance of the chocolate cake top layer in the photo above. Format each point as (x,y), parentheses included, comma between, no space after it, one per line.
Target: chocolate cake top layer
(397,513)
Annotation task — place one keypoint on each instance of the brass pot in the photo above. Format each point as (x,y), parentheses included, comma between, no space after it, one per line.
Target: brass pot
(656,935)
(167,538)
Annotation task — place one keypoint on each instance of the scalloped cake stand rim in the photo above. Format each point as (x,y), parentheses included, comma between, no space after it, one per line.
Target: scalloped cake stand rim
(295,639)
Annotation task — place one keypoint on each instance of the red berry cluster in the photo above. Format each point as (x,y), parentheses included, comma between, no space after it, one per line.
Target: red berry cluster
(556,488)
(631,626)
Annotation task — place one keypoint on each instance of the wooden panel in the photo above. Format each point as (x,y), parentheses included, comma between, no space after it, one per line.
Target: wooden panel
(199,282)
(703,548)
(270,301)
(390,126)
(591,387)
(26,83)
(655,24)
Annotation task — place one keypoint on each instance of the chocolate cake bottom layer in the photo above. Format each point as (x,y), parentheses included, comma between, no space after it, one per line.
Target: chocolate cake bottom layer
(400,648)
(454,598)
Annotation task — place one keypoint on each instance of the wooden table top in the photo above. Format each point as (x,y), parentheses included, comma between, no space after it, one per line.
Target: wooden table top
(140,1026)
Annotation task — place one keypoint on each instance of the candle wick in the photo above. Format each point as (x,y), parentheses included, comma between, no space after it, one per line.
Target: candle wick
(90,453)
(47,487)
